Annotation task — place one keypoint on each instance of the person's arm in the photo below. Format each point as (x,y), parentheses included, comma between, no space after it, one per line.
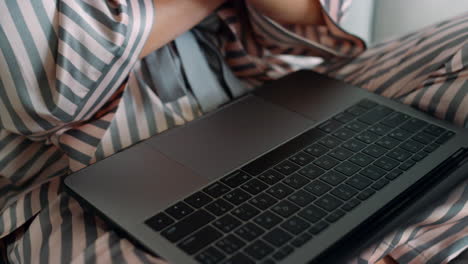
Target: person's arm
(174,17)
(302,12)
(387,260)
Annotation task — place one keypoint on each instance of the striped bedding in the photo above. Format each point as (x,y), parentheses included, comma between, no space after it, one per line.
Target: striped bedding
(73,91)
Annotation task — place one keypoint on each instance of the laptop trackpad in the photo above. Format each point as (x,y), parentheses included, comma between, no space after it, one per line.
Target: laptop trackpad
(231,137)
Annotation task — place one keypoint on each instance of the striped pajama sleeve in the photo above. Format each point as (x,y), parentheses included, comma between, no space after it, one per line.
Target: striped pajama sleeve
(61,62)
(327,41)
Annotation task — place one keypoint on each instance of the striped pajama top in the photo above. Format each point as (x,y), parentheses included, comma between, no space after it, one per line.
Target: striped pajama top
(73,91)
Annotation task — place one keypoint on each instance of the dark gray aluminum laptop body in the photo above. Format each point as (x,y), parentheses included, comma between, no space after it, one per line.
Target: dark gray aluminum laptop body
(133,185)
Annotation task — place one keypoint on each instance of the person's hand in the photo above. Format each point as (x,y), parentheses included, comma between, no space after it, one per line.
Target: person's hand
(174,17)
(387,260)
(308,12)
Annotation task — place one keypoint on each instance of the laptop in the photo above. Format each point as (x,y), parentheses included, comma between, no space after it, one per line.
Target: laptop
(297,171)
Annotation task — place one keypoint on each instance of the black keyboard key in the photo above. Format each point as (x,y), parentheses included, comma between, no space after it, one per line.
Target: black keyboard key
(198,200)
(344,134)
(302,158)
(245,212)
(335,216)
(277,237)
(330,142)
(159,221)
(351,205)
(216,189)
(312,214)
(258,250)
(230,244)
(407,165)
(361,159)
(413,125)
(380,129)
(356,110)
(356,126)
(326,162)
(249,232)
(239,258)
(317,188)
(373,172)
(271,177)
(318,227)
(388,142)
(301,198)
(359,182)
(187,225)
(412,146)
(333,178)
(344,117)
(295,225)
(268,261)
(280,191)
(344,192)
(263,201)
(399,154)
(237,197)
(364,195)
(210,256)
(375,115)
(367,137)
(423,138)
(199,240)
(386,163)
(296,181)
(380,184)
(311,171)
(330,125)
(254,186)
(285,209)
(367,104)
(419,156)
(340,154)
(286,167)
(179,210)
(267,220)
(396,119)
(235,179)
(219,207)
(227,223)
(347,168)
(259,165)
(375,151)
(316,150)
(431,148)
(328,202)
(301,240)
(354,145)
(435,130)
(400,134)
(394,174)
(283,253)
(445,137)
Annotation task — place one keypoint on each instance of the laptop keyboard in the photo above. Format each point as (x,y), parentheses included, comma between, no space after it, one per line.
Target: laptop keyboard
(280,201)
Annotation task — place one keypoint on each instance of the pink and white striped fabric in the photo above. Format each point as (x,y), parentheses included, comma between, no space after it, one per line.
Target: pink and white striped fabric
(72,92)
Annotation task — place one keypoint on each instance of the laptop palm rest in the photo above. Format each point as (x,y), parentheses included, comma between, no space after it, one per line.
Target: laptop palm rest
(231,137)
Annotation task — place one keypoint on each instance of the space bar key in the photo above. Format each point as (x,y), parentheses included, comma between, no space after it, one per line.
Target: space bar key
(187,225)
